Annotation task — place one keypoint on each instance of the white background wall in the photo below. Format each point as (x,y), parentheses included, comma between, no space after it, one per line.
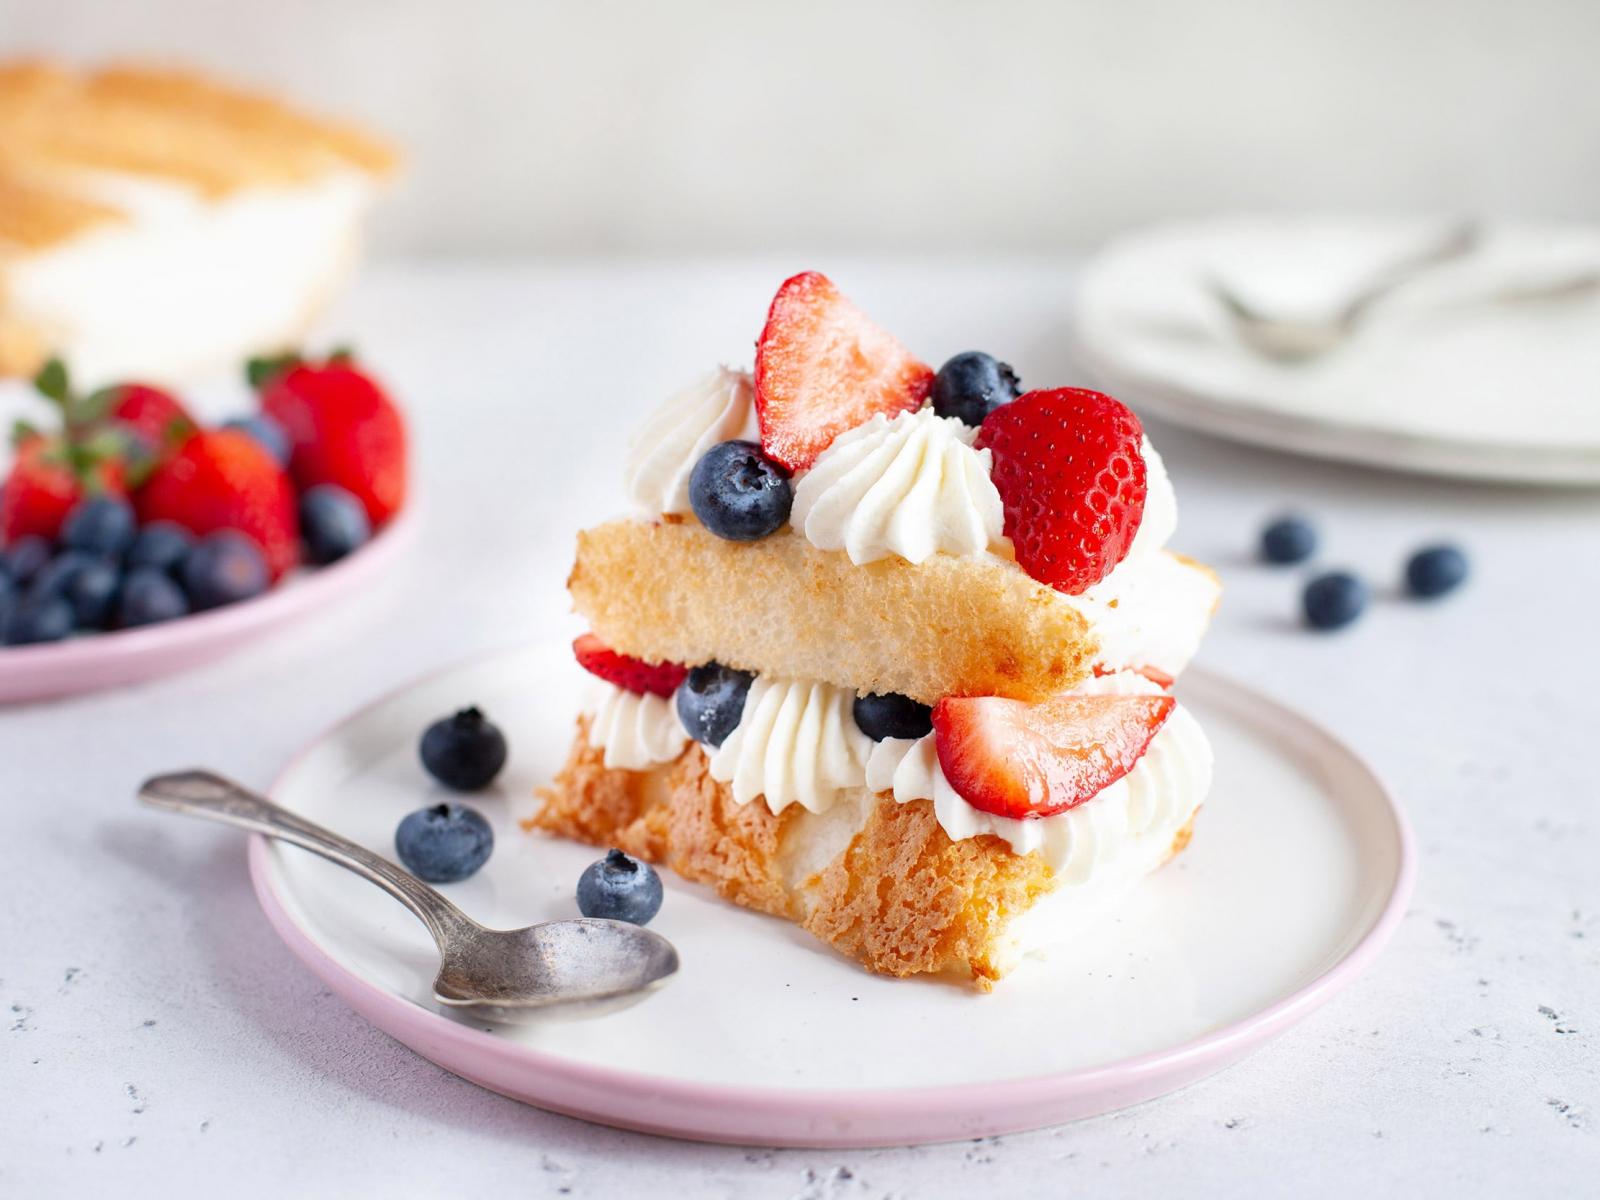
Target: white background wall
(625,126)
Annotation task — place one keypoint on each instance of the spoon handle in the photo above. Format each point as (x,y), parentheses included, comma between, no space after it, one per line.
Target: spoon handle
(204,794)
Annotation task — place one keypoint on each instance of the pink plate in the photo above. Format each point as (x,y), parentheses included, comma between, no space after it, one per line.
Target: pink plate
(91,663)
(766,1037)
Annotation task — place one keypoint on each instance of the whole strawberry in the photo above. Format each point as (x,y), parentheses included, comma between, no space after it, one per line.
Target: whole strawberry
(224,479)
(155,415)
(1071,475)
(344,429)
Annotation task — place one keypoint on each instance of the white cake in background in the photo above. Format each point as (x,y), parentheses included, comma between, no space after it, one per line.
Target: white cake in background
(161,226)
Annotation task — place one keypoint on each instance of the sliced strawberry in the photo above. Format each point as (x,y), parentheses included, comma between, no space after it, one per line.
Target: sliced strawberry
(1154,674)
(1070,472)
(823,367)
(152,413)
(1034,760)
(46,481)
(636,675)
(345,430)
(224,479)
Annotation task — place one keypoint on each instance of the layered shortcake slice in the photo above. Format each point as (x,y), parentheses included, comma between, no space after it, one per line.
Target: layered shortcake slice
(156,224)
(887,652)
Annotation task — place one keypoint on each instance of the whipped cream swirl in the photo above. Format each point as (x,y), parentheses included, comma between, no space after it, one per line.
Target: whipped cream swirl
(1161,792)
(796,743)
(662,453)
(911,486)
(636,732)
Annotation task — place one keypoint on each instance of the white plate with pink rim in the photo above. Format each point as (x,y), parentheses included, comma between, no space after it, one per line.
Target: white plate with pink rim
(92,662)
(1300,868)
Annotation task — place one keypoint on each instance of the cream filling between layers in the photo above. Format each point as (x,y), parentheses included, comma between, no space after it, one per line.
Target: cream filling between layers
(635,732)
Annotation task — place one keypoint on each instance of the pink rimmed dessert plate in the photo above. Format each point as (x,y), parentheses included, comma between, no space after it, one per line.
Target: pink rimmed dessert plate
(1300,868)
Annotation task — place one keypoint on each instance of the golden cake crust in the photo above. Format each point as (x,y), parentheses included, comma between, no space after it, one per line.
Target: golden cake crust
(946,627)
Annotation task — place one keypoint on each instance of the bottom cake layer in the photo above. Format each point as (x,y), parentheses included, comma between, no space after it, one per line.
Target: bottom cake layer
(876,879)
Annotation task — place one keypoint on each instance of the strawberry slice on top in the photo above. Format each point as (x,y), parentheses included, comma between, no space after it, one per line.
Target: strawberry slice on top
(631,674)
(1070,471)
(1014,759)
(822,367)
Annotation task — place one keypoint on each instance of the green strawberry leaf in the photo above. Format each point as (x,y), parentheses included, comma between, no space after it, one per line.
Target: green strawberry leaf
(259,371)
(52,381)
(96,406)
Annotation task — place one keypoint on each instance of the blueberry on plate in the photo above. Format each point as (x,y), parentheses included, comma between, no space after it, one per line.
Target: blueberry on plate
(1435,570)
(92,592)
(619,887)
(464,751)
(25,556)
(271,436)
(332,522)
(972,385)
(149,596)
(444,843)
(1289,539)
(100,525)
(710,701)
(9,596)
(52,578)
(1334,600)
(44,618)
(739,493)
(892,715)
(224,568)
(160,544)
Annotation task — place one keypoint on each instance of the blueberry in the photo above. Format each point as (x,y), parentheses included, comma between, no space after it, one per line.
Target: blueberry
(710,702)
(224,568)
(52,578)
(150,596)
(972,385)
(9,597)
(92,592)
(25,556)
(333,523)
(1334,600)
(619,887)
(271,436)
(892,715)
(444,843)
(160,544)
(1435,570)
(739,493)
(100,525)
(1289,539)
(45,618)
(464,751)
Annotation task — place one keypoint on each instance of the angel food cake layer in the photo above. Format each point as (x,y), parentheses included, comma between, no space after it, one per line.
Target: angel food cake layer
(888,652)
(156,224)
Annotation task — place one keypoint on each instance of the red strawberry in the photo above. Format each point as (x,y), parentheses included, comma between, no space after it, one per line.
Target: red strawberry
(1034,760)
(823,367)
(1068,467)
(657,679)
(224,479)
(1154,674)
(152,413)
(345,431)
(44,486)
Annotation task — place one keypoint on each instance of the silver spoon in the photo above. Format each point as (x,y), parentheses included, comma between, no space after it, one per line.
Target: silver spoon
(1297,338)
(501,974)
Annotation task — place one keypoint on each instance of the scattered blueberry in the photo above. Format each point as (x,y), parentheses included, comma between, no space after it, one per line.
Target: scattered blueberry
(1435,570)
(972,385)
(45,618)
(274,439)
(619,887)
(892,716)
(1334,600)
(444,843)
(150,596)
(710,702)
(92,592)
(739,493)
(464,751)
(25,556)
(224,568)
(160,544)
(1289,539)
(333,523)
(100,525)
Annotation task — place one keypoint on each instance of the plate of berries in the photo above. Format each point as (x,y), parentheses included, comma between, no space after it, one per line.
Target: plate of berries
(136,541)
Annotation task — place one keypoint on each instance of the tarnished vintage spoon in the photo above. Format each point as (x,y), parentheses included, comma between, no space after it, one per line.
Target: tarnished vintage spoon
(577,966)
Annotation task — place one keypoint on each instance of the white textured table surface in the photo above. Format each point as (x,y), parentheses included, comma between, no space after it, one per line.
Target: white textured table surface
(158,1040)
